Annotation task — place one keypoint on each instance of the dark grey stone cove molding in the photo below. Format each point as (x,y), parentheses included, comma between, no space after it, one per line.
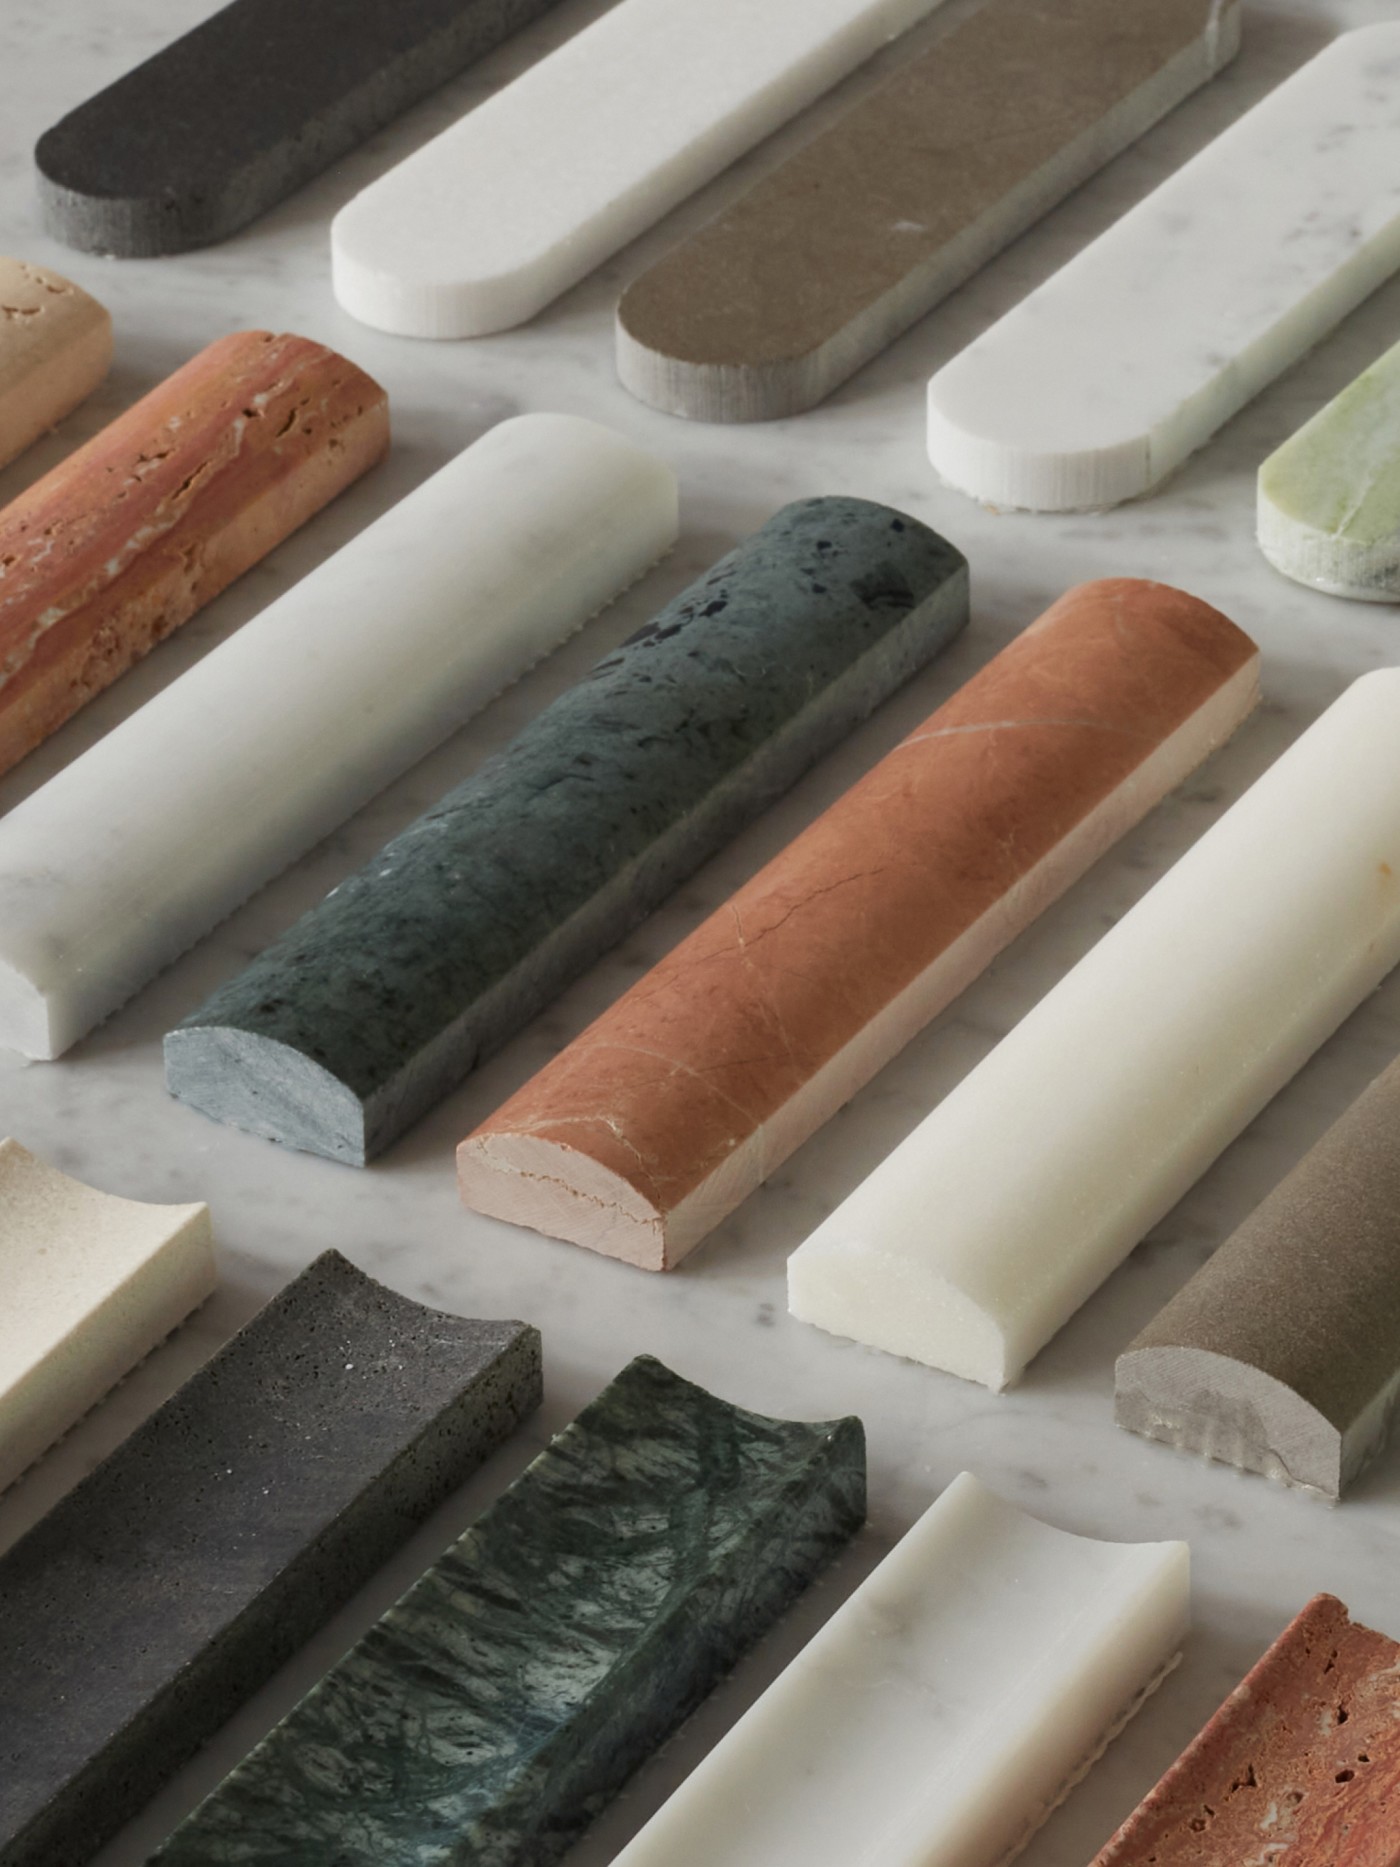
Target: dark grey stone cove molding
(177,1577)
(381,999)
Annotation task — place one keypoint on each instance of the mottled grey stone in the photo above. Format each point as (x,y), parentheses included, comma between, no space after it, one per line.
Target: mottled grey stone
(178,1576)
(490,1716)
(384,997)
(224,122)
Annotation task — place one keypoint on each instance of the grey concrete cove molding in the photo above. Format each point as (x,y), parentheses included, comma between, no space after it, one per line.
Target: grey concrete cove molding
(379,1001)
(239,112)
(1282,1354)
(489,1717)
(148,1605)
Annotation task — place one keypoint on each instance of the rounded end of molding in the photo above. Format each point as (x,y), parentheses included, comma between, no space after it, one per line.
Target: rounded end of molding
(709,389)
(374,282)
(29,1021)
(1022,476)
(266,1088)
(551,1188)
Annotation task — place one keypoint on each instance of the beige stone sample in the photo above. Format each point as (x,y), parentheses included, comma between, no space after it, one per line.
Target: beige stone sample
(55,348)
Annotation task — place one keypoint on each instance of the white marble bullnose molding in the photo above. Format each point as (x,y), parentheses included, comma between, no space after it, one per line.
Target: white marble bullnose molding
(133,852)
(1006,1208)
(528,193)
(946,1709)
(91,1284)
(1107,377)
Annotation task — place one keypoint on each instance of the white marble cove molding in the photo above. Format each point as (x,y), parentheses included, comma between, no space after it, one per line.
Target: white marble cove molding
(132,853)
(946,1709)
(1007,1207)
(91,1284)
(493,219)
(1106,378)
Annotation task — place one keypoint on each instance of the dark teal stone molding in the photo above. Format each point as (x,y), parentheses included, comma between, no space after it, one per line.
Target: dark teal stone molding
(491,1715)
(381,999)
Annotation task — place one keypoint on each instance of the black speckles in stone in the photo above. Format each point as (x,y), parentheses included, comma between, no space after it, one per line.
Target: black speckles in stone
(179,1575)
(491,1715)
(384,997)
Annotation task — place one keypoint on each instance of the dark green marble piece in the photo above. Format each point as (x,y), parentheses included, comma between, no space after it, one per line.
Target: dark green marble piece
(384,997)
(491,1715)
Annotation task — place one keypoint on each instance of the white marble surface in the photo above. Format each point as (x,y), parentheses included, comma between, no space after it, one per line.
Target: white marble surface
(1051,1443)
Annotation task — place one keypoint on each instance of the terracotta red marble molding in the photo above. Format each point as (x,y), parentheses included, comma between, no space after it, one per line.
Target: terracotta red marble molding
(128,537)
(1301,1764)
(681,1099)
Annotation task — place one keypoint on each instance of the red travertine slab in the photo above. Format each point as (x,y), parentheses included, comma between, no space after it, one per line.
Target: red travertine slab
(1300,1767)
(680,1100)
(128,537)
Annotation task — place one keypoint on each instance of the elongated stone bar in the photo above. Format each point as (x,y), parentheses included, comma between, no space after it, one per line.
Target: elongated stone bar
(510,1694)
(1329,498)
(1131,1076)
(1282,1354)
(526,194)
(55,348)
(824,262)
(698,1083)
(242,110)
(176,1578)
(92,1283)
(946,1708)
(147,522)
(1301,1764)
(110,871)
(1113,372)
(381,999)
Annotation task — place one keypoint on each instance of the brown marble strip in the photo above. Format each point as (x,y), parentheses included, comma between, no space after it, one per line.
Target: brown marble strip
(684,1096)
(1300,1766)
(128,537)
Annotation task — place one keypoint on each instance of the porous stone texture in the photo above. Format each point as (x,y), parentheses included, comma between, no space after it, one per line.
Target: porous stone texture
(180,1574)
(1282,1354)
(123,541)
(381,999)
(493,1713)
(773,304)
(225,121)
(1299,1767)
(55,348)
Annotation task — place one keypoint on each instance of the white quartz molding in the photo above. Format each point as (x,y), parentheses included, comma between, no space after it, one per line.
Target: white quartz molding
(91,1284)
(1103,381)
(944,1711)
(491,221)
(1006,1208)
(137,849)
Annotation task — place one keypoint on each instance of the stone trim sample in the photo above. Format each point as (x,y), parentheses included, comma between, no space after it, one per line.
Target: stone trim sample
(148,521)
(1062,1149)
(177,1577)
(379,1001)
(489,1717)
(681,1099)
(55,348)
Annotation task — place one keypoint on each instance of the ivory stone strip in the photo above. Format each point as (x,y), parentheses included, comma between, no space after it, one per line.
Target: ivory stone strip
(110,871)
(380,1000)
(946,1709)
(55,348)
(822,264)
(1282,1354)
(147,522)
(91,1284)
(1107,377)
(239,112)
(492,220)
(1301,1764)
(177,1577)
(686,1094)
(507,1698)
(1106,1103)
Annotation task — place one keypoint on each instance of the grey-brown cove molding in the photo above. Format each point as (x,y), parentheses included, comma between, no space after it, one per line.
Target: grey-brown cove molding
(1282,1354)
(179,1575)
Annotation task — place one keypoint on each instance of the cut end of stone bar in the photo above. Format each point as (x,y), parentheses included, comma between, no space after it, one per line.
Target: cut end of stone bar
(551,1188)
(267,1089)
(26,1020)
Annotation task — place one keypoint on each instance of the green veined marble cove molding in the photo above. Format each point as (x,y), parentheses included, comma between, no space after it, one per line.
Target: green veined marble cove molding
(490,1716)
(384,997)
(1329,498)
(180,1574)
(1282,1354)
